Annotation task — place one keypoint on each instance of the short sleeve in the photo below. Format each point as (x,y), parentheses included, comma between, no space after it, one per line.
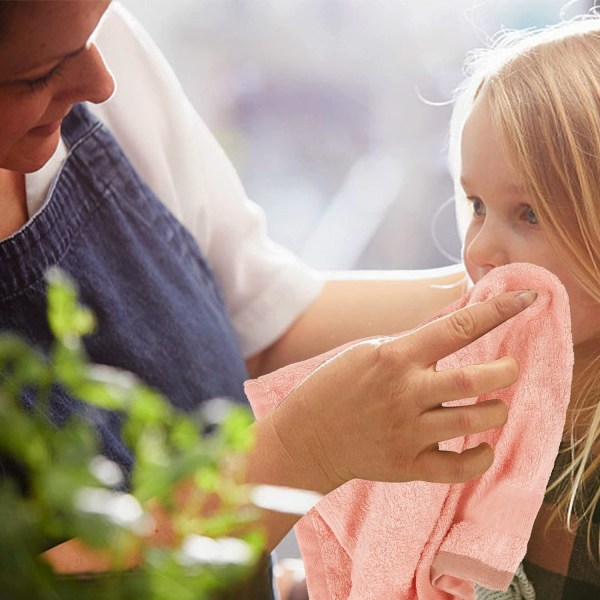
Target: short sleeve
(264,285)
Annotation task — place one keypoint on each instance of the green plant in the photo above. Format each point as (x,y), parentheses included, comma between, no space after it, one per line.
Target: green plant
(57,487)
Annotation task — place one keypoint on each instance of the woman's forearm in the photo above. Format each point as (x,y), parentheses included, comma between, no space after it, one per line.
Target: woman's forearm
(359,304)
(288,463)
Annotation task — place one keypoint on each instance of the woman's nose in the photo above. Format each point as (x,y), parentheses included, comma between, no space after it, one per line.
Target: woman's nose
(90,79)
(487,249)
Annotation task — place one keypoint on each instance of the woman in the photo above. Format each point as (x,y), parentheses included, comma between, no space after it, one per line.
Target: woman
(136,201)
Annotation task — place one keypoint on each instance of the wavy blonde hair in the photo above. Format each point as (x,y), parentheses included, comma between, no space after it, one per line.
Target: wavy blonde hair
(543,91)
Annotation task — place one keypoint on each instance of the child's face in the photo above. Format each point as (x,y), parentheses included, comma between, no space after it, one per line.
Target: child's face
(46,66)
(503,226)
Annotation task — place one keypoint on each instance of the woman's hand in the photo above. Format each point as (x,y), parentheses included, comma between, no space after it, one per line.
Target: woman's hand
(375,410)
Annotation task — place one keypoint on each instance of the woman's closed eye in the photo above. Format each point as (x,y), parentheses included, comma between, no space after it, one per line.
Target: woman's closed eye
(41,82)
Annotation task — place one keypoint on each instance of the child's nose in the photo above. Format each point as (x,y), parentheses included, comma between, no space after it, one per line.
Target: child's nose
(488,249)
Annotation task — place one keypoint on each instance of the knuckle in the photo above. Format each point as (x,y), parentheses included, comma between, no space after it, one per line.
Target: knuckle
(464,420)
(462,325)
(504,305)
(465,382)
(362,353)
(460,472)
(388,357)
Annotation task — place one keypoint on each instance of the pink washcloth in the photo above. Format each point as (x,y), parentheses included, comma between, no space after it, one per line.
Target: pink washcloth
(370,540)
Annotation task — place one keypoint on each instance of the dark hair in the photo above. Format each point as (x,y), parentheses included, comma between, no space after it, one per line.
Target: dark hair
(6,8)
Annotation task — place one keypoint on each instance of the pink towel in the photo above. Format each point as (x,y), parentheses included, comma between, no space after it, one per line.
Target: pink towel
(369,540)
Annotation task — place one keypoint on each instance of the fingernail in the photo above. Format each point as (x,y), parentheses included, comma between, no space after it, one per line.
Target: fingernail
(526,297)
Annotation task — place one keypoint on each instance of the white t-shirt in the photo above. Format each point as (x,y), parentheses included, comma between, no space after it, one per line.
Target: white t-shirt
(265,287)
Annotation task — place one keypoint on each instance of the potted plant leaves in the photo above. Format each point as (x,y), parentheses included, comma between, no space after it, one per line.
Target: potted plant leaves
(56,486)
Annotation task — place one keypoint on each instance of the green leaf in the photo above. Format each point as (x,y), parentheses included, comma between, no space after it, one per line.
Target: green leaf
(67,319)
(184,434)
(148,407)
(52,465)
(207,479)
(236,430)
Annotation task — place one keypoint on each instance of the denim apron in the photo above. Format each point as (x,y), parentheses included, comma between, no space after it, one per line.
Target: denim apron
(159,310)
(160,313)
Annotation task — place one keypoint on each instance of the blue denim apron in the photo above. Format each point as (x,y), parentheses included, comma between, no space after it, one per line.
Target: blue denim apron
(160,312)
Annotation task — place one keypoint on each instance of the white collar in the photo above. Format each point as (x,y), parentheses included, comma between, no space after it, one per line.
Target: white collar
(38,183)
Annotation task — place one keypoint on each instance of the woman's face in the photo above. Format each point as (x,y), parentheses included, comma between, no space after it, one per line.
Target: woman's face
(503,227)
(47,64)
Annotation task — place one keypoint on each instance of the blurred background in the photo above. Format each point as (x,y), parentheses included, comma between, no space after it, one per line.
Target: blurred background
(335,112)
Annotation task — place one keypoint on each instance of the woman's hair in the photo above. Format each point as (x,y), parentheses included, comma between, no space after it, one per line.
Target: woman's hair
(543,92)
(6,8)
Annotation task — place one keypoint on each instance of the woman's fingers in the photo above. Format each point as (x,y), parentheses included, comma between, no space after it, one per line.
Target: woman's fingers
(446,423)
(445,336)
(472,380)
(374,411)
(450,467)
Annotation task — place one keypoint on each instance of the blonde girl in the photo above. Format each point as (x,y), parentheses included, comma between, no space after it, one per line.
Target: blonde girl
(525,159)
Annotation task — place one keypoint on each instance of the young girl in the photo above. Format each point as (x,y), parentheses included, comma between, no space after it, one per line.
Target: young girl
(525,158)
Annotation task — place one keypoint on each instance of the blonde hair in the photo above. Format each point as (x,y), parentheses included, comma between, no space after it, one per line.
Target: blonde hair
(543,91)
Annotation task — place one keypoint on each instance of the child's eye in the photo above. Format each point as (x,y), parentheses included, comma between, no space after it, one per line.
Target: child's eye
(477,205)
(531,215)
(42,82)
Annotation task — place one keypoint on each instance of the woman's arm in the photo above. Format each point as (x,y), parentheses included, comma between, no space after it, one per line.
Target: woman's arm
(362,304)
(383,390)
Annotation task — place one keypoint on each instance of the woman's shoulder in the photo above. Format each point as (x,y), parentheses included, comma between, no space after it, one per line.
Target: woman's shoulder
(154,123)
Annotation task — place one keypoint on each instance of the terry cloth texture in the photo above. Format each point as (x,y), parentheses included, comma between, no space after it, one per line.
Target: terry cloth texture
(369,540)
(519,589)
